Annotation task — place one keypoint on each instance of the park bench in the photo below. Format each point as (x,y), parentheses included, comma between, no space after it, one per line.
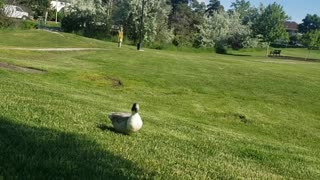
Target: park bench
(275,52)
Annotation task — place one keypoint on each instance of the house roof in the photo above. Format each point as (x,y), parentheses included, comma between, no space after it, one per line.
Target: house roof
(291,25)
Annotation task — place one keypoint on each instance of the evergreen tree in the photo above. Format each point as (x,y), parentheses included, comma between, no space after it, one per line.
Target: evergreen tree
(310,23)
(213,6)
(184,19)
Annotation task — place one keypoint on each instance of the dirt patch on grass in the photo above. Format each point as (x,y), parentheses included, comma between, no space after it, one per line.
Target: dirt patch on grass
(21,68)
(235,117)
(103,80)
(243,118)
(117,83)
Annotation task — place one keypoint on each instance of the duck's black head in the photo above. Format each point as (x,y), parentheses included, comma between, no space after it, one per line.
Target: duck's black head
(135,108)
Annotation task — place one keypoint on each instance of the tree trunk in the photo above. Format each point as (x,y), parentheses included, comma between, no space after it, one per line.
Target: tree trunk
(46,18)
(267,49)
(307,57)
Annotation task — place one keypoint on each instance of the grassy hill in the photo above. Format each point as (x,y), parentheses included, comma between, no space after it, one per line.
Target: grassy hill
(205,115)
(45,39)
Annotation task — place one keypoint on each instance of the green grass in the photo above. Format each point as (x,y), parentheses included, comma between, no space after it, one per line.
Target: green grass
(53,24)
(45,39)
(192,104)
(291,52)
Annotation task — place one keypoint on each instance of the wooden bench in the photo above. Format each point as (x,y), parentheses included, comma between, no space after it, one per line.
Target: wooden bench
(275,52)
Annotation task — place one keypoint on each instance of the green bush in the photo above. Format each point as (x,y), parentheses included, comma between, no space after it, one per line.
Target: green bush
(9,23)
(157,45)
(5,22)
(85,23)
(29,24)
(221,48)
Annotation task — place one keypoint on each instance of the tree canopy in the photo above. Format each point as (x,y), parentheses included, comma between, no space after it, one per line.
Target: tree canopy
(247,13)
(178,22)
(270,23)
(1,3)
(214,5)
(312,39)
(222,29)
(310,23)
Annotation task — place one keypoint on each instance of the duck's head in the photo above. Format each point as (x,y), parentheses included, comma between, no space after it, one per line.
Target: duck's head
(135,108)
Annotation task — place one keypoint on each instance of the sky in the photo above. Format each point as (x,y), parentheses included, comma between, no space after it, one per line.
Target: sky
(296,9)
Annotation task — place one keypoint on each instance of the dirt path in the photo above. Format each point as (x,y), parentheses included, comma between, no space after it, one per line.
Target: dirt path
(57,49)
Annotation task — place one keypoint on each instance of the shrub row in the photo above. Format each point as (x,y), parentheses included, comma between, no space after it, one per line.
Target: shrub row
(9,23)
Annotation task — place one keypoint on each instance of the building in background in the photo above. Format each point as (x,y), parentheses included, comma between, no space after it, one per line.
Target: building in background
(291,27)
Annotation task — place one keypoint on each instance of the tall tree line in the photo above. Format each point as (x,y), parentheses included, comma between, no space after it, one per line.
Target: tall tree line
(194,24)
(178,22)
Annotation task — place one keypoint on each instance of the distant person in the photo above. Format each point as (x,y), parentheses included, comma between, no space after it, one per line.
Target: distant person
(120,37)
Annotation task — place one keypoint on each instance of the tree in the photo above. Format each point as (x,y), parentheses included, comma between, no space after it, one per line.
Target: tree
(1,3)
(198,8)
(311,40)
(156,13)
(183,27)
(174,4)
(242,7)
(310,23)
(185,16)
(223,29)
(245,10)
(270,23)
(120,12)
(214,5)
(89,18)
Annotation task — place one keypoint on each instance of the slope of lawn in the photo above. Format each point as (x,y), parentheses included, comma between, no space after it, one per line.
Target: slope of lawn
(46,39)
(206,116)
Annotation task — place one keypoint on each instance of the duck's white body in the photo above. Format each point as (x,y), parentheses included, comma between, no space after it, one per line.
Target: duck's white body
(134,123)
(125,122)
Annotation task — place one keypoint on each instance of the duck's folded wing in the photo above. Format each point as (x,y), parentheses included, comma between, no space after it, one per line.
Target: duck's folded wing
(119,117)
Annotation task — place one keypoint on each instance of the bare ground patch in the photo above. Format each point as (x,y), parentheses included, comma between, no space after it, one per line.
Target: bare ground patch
(101,79)
(17,68)
(234,116)
(116,82)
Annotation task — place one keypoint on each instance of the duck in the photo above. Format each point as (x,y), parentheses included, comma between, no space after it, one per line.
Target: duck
(127,123)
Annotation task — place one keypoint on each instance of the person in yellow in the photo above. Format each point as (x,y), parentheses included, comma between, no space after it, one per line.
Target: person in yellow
(120,37)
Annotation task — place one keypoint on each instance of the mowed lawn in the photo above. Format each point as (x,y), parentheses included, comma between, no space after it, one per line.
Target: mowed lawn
(206,116)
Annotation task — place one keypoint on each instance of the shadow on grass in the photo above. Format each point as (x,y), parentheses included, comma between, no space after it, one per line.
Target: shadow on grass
(40,153)
(104,127)
(232,54)
(295,58)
